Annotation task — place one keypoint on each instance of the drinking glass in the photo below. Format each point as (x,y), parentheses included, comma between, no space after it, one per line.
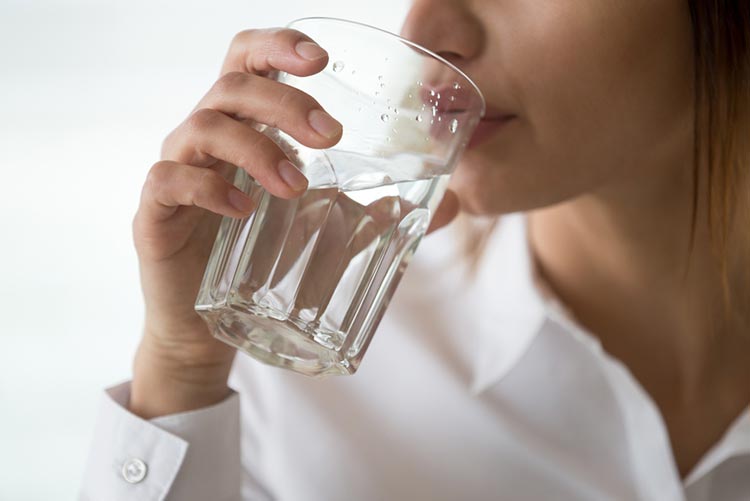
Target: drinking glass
(302,284)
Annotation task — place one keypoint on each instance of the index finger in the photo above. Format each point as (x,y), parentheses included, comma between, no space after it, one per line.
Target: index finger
(260,51)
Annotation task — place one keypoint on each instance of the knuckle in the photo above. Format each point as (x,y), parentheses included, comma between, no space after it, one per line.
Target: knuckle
(206,186)
(289,35)
(294,105)
(158,174)
(260,154)
(158,178)
(243,36)
(202,119)
(230,82)
(290,98)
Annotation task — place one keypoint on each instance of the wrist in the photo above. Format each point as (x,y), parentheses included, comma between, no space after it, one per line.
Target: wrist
(164,385)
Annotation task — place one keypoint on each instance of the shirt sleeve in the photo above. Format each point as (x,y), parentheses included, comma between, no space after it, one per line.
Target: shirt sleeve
(188,456)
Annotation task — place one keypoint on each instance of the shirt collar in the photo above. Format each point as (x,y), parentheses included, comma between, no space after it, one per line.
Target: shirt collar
(510,308)
(735,442)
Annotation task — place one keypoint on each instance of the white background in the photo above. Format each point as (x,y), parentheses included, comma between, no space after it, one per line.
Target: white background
(88,89)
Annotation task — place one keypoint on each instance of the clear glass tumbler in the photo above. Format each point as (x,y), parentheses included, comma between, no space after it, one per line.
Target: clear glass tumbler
(303,283)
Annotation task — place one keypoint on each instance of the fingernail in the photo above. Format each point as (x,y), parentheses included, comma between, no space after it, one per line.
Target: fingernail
(310,51)
(292,176)
(240,201)
(324,124)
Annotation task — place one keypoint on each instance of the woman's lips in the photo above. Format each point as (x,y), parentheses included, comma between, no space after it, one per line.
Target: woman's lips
(487,127)
(447,102)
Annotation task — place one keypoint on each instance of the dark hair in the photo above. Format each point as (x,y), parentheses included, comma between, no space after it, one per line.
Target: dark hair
(721,35)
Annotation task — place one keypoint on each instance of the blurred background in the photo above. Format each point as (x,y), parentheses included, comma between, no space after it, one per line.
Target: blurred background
(88,90)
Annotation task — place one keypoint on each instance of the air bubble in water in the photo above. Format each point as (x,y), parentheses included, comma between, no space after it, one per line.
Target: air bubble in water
(456,86)
(338,66)
(418,118)
(434,111)
(432,93)
(453,98)
(385,117)
(453,126)
(419,82)
(438,95)
(395,110)
(380,77)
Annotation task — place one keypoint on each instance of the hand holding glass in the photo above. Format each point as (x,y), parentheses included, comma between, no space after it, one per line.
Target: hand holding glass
(303,283)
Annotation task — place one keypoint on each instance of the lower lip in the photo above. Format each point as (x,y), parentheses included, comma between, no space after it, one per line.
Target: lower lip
(486,129)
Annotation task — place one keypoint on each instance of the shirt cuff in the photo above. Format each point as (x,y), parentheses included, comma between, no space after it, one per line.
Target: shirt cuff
(188,456)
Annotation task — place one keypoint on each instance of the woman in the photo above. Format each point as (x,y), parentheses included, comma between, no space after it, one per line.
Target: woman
(601,350)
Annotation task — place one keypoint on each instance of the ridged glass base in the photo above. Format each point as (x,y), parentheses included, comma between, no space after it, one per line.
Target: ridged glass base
(303,283)
(278,341)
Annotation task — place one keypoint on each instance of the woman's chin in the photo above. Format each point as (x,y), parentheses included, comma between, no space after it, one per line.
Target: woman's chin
(476,193)
(475,202)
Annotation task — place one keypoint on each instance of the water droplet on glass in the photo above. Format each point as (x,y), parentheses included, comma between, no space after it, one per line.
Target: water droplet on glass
(354,72)
(453,98)
(418,118)
(395,110)
(434,111)
(456,86)
(432,93)
(432,121)
(410,96)
(419,82)
(382,85)
(338,66)
(453,126)
(385,117)
(380,77)
(440,119)
(438,95)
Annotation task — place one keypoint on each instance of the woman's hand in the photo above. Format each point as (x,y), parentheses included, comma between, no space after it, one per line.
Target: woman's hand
(179,366)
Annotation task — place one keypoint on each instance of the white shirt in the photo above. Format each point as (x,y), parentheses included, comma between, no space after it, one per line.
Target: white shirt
(472,389)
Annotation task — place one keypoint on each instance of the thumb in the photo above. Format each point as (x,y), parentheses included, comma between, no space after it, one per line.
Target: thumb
(446,211)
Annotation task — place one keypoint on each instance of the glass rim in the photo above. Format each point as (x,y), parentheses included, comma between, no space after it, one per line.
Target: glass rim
(407,42)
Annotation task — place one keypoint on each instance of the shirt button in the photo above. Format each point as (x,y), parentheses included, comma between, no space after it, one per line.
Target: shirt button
(134,470)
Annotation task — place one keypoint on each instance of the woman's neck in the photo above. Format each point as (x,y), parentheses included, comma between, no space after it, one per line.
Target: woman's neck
(625,263)
(621,261)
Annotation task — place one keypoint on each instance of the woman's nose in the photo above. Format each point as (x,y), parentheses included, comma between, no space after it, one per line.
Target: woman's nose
(446,27)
